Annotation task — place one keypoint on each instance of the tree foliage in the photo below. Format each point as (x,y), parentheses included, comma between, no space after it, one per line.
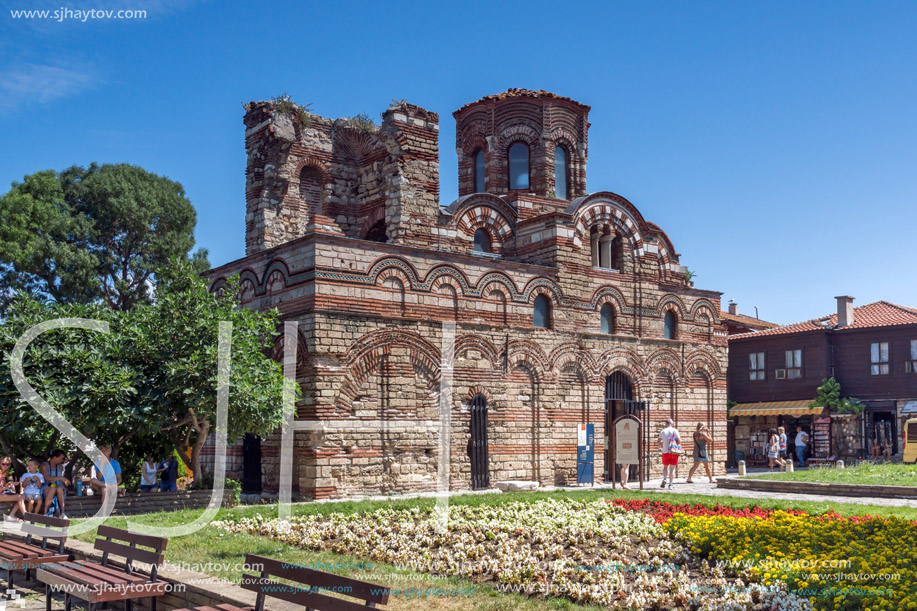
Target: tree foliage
(151,381)
(92,234)
(829,395)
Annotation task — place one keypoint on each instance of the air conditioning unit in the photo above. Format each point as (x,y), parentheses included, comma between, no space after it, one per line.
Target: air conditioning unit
(780,374)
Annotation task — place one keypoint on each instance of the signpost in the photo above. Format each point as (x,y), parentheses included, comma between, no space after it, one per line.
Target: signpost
(585,454)
(626,445)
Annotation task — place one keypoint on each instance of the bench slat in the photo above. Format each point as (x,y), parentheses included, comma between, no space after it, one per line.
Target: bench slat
(112,574)
(37,518)
(314,600)
(26,549)
(157,543)
(126,551)
(313,577)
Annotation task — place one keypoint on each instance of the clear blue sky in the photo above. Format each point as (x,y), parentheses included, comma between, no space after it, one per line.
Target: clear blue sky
(775,142)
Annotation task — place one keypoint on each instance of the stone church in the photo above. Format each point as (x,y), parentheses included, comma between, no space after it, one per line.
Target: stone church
(558,307)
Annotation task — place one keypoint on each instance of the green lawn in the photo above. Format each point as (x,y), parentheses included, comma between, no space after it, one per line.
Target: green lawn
(211,545)
(867,474)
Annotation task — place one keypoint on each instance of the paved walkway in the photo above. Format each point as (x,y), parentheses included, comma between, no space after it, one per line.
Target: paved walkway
(704,487)
(29,594)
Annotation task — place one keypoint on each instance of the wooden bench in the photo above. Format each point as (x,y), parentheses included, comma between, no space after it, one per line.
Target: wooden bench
(310,588)
(19,556)
(100,583)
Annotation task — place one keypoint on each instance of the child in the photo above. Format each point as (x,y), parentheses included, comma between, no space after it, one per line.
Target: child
(32,482)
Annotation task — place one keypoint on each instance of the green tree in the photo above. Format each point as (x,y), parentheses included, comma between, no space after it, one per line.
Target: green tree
(175,343)
(92,234)
(829,395)
(86,375)
(150,381)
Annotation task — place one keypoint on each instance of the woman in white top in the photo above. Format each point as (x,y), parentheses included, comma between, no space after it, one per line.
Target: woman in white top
(148,475)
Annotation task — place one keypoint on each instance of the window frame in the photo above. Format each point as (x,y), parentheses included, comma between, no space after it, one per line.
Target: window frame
(566,169)
(547,313)
(670,315)
(912,362)
(757,366)
(793,364)
(474,241)
(607,307)
(509,166)
(879,366)
(474,172)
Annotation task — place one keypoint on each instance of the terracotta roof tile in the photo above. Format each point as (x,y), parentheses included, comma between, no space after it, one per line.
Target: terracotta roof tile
(747,320)
(877,314)
(522,93)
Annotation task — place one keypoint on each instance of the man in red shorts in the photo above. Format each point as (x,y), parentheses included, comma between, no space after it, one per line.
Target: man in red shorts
(669,459)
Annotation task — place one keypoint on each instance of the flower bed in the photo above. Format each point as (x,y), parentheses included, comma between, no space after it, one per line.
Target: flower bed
(662,511)
(838,563)
(589,552)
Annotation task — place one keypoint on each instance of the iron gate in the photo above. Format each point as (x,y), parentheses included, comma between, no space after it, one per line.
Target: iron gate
(619,401)
(477,446)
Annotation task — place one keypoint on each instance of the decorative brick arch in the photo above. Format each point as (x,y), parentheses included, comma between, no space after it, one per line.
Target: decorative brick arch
(621,359)
(499,278)
(499,228)
(302,350)
(543,286)
(700,361)
(665,359)
(672,302)
(397,263)
(316,189)
(571,353)
(480,344)
(705,306)
(248,285)
(519,131)
(448,274)
(366,354)
(609,208)
(373,216)
(525,351)
(474,391)
(609,294)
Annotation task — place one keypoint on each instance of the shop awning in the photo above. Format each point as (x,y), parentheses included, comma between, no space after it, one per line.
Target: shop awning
(776,408)
(909,408)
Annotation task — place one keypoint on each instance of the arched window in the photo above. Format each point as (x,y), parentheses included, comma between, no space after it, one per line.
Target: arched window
(481,241)
(608,319)
(541,316)
(377,232)
(671,325)
(605,251)
(519,166)
(560,172)
(479,172)
(310,189)
(616,252)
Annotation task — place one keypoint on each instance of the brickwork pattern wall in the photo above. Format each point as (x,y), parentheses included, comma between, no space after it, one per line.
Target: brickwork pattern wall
(371,315)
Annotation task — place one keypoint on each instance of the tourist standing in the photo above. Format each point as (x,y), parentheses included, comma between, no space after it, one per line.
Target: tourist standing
(148,473)
(773,452)
(802,440)
(168,482)
(670,442)
(701,455)
(781,435)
